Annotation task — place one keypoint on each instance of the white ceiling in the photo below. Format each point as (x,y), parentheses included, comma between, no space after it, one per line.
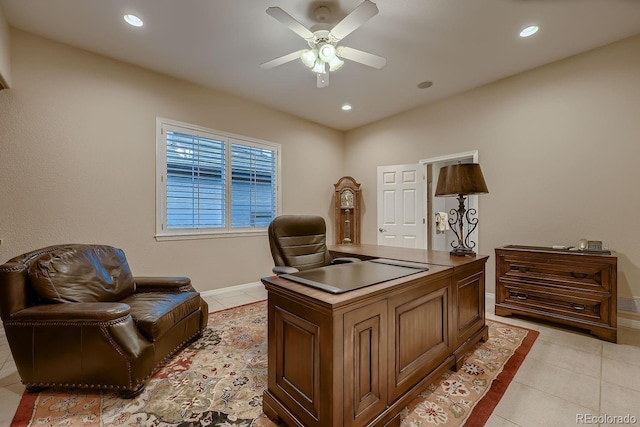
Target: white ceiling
(456,44)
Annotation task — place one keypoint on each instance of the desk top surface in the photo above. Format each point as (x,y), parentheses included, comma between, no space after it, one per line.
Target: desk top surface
(406,254)
(440,264)
(342,278)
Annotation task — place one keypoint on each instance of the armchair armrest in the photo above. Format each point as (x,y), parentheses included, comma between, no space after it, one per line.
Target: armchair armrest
(163,284)
(59,344)
(345,260)
(73,312)
(281,269)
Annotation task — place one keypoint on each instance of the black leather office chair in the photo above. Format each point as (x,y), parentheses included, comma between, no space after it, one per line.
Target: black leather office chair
(298,242)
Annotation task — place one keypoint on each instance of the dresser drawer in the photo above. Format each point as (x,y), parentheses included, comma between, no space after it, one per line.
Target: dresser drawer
(592,307)
(590,276)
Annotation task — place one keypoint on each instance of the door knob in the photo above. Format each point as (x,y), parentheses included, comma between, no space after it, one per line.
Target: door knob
(382,230)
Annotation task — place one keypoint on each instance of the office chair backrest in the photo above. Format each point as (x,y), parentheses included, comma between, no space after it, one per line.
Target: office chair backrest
(299,241)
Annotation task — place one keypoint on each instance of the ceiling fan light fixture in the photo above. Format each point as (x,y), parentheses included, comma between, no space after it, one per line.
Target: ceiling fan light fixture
(335,64)
(309,57)
(319,67)
(326,52)
(323,56)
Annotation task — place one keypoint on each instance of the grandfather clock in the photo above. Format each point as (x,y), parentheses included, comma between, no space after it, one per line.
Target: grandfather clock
(347,199)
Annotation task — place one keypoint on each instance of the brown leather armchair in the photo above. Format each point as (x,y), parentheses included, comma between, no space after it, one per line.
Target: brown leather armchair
(299,242)
(75,317)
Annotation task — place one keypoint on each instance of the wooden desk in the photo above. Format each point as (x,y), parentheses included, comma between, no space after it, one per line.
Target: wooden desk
(358,358)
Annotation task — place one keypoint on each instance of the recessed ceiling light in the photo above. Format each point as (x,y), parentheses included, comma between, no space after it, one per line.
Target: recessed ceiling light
(346,107)
(529,31)
(133,20)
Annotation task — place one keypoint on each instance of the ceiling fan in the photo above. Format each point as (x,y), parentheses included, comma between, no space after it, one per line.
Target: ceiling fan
(324,55)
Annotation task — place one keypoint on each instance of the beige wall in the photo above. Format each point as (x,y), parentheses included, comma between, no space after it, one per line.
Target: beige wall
(559,147)
(5,65)
(77,164)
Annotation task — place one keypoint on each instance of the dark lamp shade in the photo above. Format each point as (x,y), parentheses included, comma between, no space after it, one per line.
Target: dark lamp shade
(464,178)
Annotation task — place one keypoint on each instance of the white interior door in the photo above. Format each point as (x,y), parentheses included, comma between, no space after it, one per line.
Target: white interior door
(401,206)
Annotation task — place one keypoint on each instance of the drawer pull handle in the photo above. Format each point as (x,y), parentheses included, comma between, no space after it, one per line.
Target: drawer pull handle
(578,306)
(517,295)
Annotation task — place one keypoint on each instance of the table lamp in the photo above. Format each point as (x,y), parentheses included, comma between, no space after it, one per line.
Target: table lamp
(461,180)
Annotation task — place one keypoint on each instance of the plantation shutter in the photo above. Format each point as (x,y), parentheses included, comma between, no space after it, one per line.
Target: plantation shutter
(253,185)
(196,175)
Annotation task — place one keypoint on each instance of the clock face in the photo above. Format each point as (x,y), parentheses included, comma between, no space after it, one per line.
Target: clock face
(346,199)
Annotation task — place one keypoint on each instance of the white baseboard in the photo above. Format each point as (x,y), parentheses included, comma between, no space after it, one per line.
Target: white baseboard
(628,323)
(490,299)
(243,287)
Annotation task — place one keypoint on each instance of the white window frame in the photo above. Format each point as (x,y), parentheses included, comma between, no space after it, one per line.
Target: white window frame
(164,233)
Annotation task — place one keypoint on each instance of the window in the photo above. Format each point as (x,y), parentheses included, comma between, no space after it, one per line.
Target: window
(212,183)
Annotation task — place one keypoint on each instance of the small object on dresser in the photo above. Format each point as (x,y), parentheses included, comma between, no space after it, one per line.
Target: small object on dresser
(594,245)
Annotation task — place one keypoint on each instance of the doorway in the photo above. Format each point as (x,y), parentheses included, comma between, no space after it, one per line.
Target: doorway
(438,239)
(407,205)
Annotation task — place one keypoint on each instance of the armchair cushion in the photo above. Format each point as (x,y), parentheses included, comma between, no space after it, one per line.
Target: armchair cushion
(82,273)
(154,313)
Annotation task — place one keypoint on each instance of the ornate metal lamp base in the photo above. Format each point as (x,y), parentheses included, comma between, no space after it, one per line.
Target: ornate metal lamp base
(462,252)
(464,245)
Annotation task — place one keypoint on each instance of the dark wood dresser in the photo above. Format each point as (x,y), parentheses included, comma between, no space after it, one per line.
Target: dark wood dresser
(576,288)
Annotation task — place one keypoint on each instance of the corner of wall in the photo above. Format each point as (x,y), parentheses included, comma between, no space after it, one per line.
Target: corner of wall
(5,63)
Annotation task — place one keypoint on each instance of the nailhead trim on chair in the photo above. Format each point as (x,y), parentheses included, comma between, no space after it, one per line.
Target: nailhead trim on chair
(25,261)
(119,350)
(36,254)
(18,267)
(63,323)
(113,387)
(173,352)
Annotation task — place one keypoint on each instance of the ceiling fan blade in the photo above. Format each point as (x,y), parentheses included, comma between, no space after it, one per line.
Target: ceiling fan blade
(361,14)
(290,22)
(322,80)
(282,60)
(365,58)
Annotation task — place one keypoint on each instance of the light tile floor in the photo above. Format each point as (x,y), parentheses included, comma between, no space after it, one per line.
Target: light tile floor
(568,376)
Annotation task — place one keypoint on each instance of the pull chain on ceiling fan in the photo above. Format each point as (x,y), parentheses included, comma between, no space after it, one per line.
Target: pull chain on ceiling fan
(324,54)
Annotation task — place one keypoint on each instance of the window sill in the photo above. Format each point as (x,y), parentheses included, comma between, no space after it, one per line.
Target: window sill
(220,235)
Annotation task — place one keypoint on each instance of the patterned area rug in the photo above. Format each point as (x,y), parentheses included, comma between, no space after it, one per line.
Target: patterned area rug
(219,379)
